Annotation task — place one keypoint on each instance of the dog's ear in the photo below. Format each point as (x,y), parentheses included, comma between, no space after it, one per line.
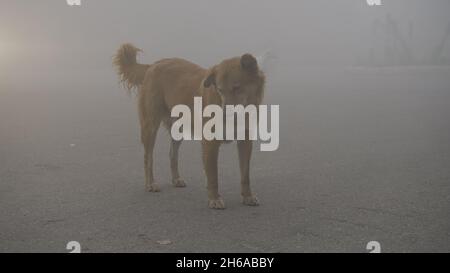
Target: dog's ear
(210,79)
(249,63)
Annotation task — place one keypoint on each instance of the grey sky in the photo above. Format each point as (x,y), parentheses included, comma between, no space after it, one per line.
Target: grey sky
(51,34)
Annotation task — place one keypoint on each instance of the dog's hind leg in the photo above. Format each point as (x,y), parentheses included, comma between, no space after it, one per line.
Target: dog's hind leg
(150,117)
(177,181)
(148,140)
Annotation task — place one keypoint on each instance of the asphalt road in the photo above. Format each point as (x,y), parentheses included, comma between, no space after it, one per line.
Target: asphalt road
(364,155)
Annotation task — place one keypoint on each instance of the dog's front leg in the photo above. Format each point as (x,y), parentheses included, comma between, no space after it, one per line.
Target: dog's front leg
(210,161)
(245,153)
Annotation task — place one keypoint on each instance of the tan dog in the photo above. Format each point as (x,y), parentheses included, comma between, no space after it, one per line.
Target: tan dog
(170,82)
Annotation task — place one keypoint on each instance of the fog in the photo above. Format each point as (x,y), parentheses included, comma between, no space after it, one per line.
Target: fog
(364,105)
(48,34)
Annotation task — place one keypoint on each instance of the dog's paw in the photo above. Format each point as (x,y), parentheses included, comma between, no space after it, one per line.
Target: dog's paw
(250,200)
(216,203)
(178,183)
(152,187)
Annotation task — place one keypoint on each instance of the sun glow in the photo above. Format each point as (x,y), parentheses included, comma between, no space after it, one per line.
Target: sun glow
(5,46)
(7,50)
(4,52)
(2,48)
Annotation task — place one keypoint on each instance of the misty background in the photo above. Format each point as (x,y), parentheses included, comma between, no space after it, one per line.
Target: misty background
(364,130)
(48,34)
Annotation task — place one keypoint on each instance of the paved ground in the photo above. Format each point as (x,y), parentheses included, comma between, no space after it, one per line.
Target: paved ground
(364,156)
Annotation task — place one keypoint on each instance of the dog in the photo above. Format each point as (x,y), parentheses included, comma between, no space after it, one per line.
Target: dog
(169,82)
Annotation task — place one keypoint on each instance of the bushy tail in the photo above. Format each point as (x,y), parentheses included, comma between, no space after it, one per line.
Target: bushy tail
(130,72)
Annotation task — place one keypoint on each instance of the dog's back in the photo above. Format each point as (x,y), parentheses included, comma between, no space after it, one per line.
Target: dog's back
(178,81)
(170,81)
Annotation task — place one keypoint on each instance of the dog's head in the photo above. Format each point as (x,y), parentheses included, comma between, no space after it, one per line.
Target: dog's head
(238,81)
